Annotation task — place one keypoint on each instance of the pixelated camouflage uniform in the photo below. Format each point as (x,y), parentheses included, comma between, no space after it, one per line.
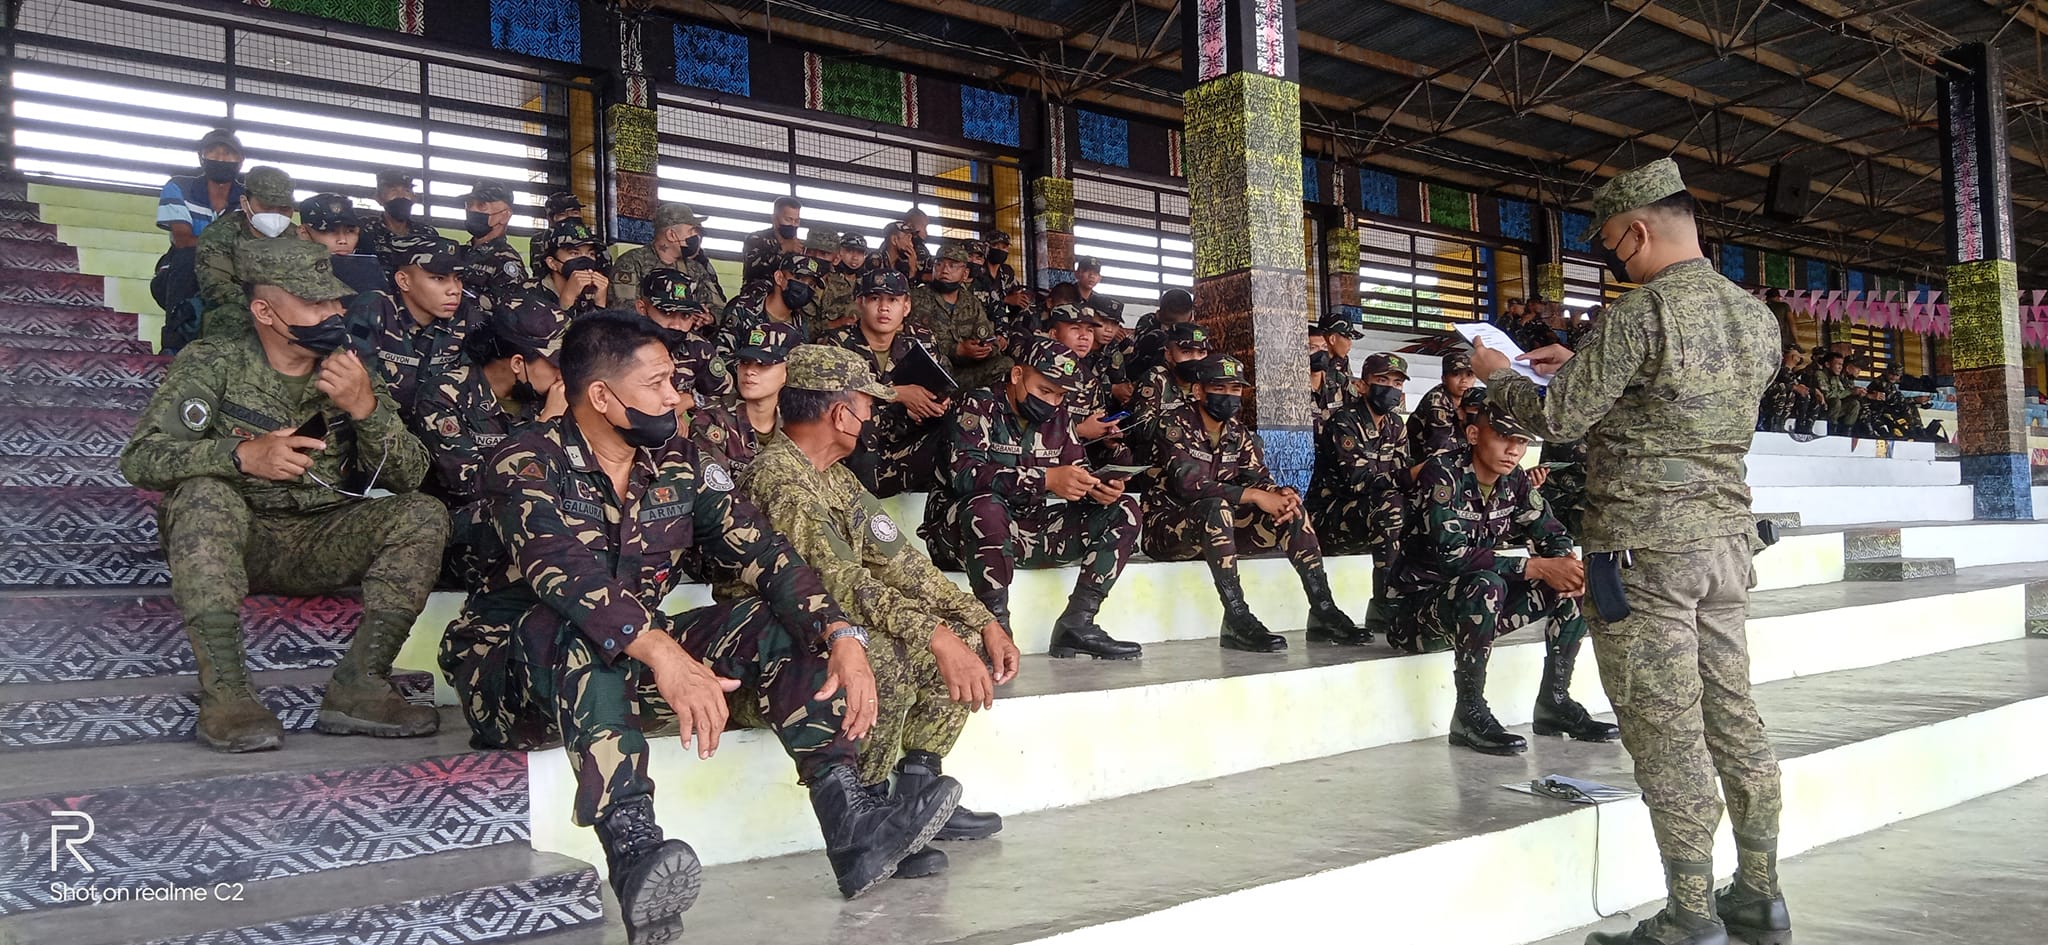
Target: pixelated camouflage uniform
(864,559)
(586,571)
(899,454)
(1844,408)
(1358,494)
(991,513)
(1197,508)
(224,311)
(835,303)
(1664,393)
(634,264)
(1565,487)
(226,534)
(1434,426)
(950,324)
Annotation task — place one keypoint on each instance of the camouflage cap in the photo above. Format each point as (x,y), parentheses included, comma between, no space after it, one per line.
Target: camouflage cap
(568,234)
(833,369)
(1217,369)
(883,282)
(1385,363)
(486,191)
(955,250)
(325,212)
(1457,362)
(1087,264)
(995,238)
(436,258)
(1474,396)
(1188,335)
(798,264)
(532,330)
(822,239)
(669,291)
(977,248)
(1069,314)
(1341,323)
(302,267)
(1633,189)
(675,214)
(1176,300)
(1503,422)
(1056,361)
(562,200)
(767,343)
(851,240)
(268,185)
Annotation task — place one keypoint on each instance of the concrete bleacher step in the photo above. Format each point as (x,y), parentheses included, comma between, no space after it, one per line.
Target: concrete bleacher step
(1897,569)
(51,639)
(36,287)
(130,400)
(65,432)
(1858,505)
(1386,843)
(83,564)
(1256,710)
(59,470)
(40,255)
(9,339)
(77,515)
(156,708)
(29,232)
(64,320)
(82,368)
(1767,469)
(497,893)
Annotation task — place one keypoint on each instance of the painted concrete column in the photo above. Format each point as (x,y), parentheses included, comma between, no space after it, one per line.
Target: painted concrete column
(1548,280)
(1242,154)
(1052,199)
(1340,262)
(1983,285)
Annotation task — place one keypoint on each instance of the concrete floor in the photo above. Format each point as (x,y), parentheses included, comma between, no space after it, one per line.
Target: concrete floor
(1969,875)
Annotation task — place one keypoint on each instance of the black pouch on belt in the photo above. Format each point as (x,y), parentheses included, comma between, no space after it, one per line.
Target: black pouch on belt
(1603,584)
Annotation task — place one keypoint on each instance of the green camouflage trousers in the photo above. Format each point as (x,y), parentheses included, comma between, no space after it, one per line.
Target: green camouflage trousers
(1477,608)
(605,711)
(220,551)
(992,542)
(1677,671)
(916,712)
(1215,530)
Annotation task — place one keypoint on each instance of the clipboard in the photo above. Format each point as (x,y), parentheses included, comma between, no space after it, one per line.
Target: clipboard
(920,367)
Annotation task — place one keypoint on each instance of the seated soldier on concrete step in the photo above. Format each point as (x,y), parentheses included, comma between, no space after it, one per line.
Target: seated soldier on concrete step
(1094,399)
(1789,400)
(415,334)
(1359,495)
(1331,365)
(732,430)
(256,499)
(667,299)
(573,282)
(1013,450)
(1456,586)
(1435,426)
(265,214)
(1893,415)
(597,510)
(1163,388)
(1215,496)
(900,450)
(937,655)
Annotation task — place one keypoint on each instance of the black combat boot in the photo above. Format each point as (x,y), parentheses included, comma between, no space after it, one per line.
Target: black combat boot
(1076,632)
(1326,622)
(1557,713)
(929,861)
(1379,618)
(916,773)
(656,880)
(1241,629)
(1687,917)
(865,838)
(1753,907)
(997,600)
(1472,723)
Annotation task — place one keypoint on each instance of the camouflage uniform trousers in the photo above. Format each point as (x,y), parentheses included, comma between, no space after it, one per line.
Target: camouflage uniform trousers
(605,711)
(220,551)
(1214,530)
(910,464)
(1367,523)
(917,713)
(993,540)
(1843,413)
(1565,489)
(1783,404)
(1677,672)
(1482,606)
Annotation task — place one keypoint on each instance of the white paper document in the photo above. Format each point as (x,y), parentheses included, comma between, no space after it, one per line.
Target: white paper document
(1499,341)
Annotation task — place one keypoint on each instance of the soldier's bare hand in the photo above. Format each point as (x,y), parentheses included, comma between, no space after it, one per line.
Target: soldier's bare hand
(1545,360)
(346,382)
(919,401)
(1107,491)
(1002,651)
(279,456)
(1093,428)
(1121,391)
(557,402)
(1069,482)
(1485,360)
(847,668)
(1538,476)
(972,350)
(688,686)
(1565,575)
(603,286)
(967,678)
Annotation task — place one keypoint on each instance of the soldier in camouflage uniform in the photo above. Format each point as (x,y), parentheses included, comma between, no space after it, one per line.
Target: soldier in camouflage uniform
(1088,275)
(1162,389)
(1435,426)
(561,207)
(785,296)
(1331,366)
(1664,394)
(1789,399)
(221,440)
(1090,401)
(947,309)
(834,307)
(1358,495)
(1216,497)
(395,235)
(416,333)
(764,250)
(1893,415)
(678,244)
(572,280)
(266,196)
(900,451)
(937,654)
(1148,340)
(491,269)
(732,430)
(1459,589)
(1013,449)
(667,299)
(597,510)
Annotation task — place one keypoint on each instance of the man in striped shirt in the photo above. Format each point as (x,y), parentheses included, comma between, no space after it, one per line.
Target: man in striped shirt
(184,208)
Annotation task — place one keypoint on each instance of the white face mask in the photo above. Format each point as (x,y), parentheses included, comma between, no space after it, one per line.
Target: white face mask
(270,224)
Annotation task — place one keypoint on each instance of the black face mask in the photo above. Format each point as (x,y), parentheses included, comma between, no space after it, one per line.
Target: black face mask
(647,430)
(399,208)
(945,288)
(786,232)
(1222,407)
(797,294)
(578,264)
(693,244)
(669,336)
(524,392)
(476,222)
(219,172)
(866,427)
(997,256)
(1319,361)
(1612,257)
(1035,411)
(1384,399)
(321,337)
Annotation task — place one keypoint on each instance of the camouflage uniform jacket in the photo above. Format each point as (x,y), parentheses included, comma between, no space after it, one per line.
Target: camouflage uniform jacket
(1357,458)
(1158,393)
(1106,305)
(634,264)
(1533,334)
(761,253)
(700,367)
(835,301)
(724,434)
(748,310)
(219,392)
(862,555)
(580,557)
(393,248)
(950,324)
(1434,428)
(893,423)
(1460,526)
(409,355)
(1665,395)
(1333,390)
(492,272)
(1193,467)
(994,452)
(226,305)
(462,422)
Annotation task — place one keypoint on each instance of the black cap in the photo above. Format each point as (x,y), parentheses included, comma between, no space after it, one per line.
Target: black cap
(883,282)
(669,290)
(487,191)
(326,212)
(395,177)
(217,137)
(1188,335)
(436,258)
(767,343)
(1216,369)
(1087,264)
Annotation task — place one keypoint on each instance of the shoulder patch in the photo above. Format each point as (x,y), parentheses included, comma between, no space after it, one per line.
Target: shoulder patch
(717,477)
(530,471)
(717,367)
(883,527)
(448,426)
(715,433)
(1442,494)
(195,413)
(513,270)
